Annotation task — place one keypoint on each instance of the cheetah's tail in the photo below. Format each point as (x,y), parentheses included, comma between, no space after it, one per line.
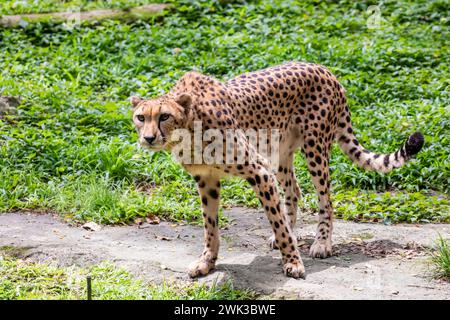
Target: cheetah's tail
(378,162)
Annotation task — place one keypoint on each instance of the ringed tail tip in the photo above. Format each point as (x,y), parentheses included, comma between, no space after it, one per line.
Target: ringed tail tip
(414,143)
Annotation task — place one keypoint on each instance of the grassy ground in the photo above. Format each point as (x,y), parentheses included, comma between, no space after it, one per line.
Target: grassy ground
(72,148)
(25,280)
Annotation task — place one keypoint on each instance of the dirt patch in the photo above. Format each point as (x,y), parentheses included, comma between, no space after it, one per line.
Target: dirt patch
(380,249)
(8,105)
(140,12)
(15,252)
(371,261)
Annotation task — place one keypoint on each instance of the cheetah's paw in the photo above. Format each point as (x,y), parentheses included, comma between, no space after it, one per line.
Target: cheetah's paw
(320,249)
(200,268)
(295,269)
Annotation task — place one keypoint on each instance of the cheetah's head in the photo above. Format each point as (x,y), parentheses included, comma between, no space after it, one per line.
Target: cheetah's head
(156,119)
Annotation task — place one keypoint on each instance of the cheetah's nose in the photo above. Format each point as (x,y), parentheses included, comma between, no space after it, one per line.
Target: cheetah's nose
(150,139)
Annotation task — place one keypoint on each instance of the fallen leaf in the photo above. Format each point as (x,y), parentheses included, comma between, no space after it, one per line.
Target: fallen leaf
(152,219)
(138,221)
(301,243)
(59,234)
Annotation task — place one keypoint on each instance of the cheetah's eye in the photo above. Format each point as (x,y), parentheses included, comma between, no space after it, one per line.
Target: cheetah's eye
(164,117)
(140,117)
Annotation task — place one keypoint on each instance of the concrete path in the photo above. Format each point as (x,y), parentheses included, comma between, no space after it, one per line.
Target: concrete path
(371,261)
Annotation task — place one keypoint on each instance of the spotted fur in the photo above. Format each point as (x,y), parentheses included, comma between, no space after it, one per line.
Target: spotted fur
(307,104)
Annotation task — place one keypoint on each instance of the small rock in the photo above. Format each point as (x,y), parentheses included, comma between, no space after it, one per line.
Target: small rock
(91,226)
(163,238)
(163,267)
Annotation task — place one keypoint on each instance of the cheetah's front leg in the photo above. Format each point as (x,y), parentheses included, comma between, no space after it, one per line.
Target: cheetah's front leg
(209,190)
(264,184)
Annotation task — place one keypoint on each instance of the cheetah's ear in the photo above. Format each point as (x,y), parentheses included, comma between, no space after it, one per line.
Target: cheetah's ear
(184,100)
(135,101)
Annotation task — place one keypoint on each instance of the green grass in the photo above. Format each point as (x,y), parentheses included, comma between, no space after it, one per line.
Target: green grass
(441,259)
(25,280)
(71,148)
(389,207)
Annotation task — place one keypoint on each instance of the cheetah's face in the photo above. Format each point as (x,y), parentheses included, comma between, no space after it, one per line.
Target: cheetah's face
(156,119)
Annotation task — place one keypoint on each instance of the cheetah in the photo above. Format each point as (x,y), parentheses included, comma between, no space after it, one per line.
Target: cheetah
(306,104)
